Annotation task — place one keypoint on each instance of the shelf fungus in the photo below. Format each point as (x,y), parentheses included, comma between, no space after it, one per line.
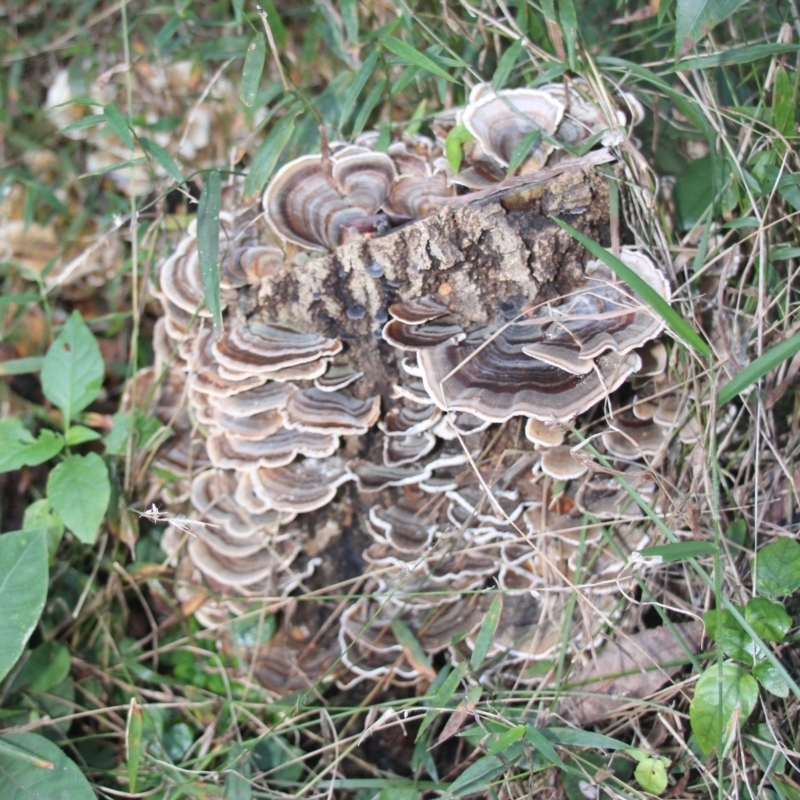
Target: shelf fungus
(390,402)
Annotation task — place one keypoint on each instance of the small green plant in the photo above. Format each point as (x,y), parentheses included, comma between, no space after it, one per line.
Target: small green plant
(726,693)
(78,487)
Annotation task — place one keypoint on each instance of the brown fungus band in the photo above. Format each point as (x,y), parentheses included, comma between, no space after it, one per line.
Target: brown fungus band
(404,351)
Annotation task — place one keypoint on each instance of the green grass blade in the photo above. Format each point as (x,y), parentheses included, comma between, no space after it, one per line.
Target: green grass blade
(208,244)
(675,322)
(506,64)
(162,158)
(252,70)
(266,156)
(734,55)
(483,641)
(773,358)
(569,27)
(678,552)
(412,56)
(119,124)
(412,648)
(21,366)
(355,88)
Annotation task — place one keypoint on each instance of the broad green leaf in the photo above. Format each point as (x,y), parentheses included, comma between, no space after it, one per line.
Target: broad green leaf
(252,70)
(78,434)
(412,648)
(678,551)
(731,637)
(19,448)
(651,773)
(476,777)
(79,490)
(506,64)
(162,158)
(713,723)
(772,680)
(22,780)
(23,590)
(269,151)
(769,620)
(21,366)
(677,324)
(755,370)
(73,368)
(118,123)
(695,18)
(46,667)
(356,86)
(414,57)
(778,568)
(133,743)
(453,145)
(483,641)
(208,244)
(17,753)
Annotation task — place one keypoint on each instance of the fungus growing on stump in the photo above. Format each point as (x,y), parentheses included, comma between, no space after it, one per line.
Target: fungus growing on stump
(404,378)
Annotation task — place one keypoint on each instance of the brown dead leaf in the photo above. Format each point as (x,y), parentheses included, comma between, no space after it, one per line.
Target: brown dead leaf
(457,719)
(634,662)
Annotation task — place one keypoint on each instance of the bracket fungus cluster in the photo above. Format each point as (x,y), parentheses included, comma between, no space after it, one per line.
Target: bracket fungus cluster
(388,407)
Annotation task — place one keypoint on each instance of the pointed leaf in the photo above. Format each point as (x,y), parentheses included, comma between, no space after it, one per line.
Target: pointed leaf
(133,743)
(483,641)
(506,64)
(755,370)
(19,448)
(476,777)
(414,57)
(162,158)
(73,368)
(266,156)
(357,85)
(412,648)
(208,244)
(661,307)
(252,70)
(678,551)
(118,123)
(79,490)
